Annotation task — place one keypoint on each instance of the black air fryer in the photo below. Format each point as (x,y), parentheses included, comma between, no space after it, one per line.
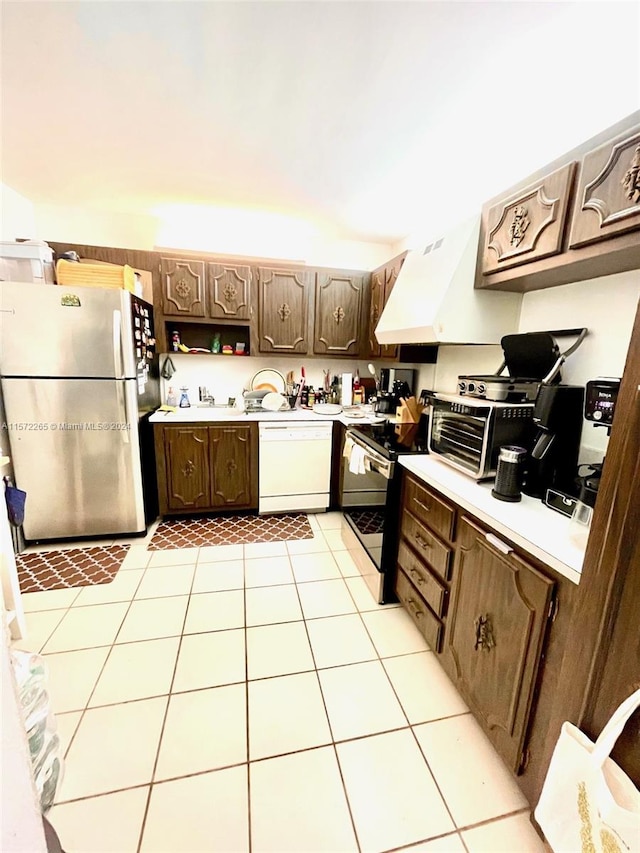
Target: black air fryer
(557,418)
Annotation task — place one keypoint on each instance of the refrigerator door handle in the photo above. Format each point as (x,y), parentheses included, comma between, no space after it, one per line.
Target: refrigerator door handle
(117,344)
(123,408)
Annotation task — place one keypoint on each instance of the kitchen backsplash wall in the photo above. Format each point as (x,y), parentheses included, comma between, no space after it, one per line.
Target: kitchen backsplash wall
(227,376)
(606,306)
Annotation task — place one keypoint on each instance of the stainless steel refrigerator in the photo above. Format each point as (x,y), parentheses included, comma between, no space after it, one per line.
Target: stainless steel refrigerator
(79,377)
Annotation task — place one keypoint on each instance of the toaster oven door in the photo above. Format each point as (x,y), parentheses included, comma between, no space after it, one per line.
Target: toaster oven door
(460,438)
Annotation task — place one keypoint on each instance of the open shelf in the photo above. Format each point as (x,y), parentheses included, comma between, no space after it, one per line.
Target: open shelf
(201,335)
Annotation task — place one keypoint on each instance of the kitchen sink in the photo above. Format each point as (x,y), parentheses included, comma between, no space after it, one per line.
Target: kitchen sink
(206,413)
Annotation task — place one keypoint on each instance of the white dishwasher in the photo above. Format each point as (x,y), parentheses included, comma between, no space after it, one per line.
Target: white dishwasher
(294,466)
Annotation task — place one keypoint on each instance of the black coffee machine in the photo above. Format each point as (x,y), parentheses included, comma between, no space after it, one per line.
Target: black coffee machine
(557,421)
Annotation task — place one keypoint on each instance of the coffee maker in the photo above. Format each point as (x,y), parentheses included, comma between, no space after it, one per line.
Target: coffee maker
(557,420)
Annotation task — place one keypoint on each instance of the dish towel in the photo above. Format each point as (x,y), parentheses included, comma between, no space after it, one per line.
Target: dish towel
(356,460)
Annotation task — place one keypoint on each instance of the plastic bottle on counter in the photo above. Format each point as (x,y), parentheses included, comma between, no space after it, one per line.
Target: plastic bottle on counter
(311,397)
(184,398)
(172,400)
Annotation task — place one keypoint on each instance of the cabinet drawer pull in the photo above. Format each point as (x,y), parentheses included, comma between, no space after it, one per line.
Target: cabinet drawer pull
(422,505)
(498,543)
(416,576)
(426,546)
(416,610)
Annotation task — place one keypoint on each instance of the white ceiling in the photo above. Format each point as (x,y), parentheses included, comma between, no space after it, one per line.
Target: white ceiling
(368,120)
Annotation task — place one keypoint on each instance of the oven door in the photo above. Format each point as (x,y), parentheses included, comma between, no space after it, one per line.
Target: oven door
(363,499)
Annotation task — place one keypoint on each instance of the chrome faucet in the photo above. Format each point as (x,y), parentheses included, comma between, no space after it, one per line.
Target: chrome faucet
(205,397)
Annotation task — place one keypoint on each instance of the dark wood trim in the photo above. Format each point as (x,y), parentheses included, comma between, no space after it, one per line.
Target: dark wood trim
(606,609)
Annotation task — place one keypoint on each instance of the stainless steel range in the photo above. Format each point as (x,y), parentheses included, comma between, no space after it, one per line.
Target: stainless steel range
(370,496)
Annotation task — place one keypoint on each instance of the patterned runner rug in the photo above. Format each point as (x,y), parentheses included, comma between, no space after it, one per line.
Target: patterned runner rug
(229,530)
(71,568)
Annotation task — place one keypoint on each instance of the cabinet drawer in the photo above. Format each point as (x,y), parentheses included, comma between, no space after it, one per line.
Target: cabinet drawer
(429,547)
(431,589)
(429,626)
(429,508)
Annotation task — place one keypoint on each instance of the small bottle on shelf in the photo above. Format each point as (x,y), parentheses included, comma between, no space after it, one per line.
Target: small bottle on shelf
(215,343)
(175,341)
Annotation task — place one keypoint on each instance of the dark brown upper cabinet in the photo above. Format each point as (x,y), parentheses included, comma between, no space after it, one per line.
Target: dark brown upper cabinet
(608,198)
(283,312)
(229,287)
(183,287)
(567,222)
(529,224)
(339,298)
(383,280)
(376,304)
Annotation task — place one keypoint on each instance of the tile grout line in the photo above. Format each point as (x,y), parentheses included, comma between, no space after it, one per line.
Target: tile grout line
(246,699)
(380,661)
(247,682)
(110,647)
(326,712)
(164,719)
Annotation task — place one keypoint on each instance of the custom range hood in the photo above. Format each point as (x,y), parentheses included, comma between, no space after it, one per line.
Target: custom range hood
(434,302)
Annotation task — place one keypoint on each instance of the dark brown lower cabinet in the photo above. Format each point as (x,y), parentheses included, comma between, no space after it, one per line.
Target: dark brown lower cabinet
(186,457)
(231,458)
(495,634)
(206,467)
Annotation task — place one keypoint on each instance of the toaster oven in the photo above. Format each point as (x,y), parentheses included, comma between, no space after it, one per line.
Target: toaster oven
(467,433)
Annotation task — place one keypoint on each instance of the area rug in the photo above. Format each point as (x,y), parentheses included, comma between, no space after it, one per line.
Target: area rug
(229,530)
(74,567)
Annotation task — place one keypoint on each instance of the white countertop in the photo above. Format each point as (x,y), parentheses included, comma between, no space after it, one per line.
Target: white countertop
(530,524)
(205,414)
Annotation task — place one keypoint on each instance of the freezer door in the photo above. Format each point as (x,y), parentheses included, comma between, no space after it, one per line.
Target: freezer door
(75,451)
(65,331)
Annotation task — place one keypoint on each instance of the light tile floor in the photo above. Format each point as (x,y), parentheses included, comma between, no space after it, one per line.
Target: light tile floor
(256,698)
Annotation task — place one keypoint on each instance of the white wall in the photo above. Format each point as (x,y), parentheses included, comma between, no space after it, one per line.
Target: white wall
(606,306)
(17,215)
(64,224)
(227,376)
(266,238)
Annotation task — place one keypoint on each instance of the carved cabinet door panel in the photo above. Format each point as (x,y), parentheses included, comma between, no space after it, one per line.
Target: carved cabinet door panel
(186,451)
(232,457)
(376,304)
(499,612)
(183,287)
(338,313)
(229,291)
(392,272)
(283,314)
(528,225)
(608,197)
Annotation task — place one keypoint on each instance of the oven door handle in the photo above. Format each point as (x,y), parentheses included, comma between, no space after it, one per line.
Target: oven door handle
(376,462)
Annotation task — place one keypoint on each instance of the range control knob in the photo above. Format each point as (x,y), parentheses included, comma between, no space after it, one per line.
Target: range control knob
(462,386)
(472,387)
(482,388)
